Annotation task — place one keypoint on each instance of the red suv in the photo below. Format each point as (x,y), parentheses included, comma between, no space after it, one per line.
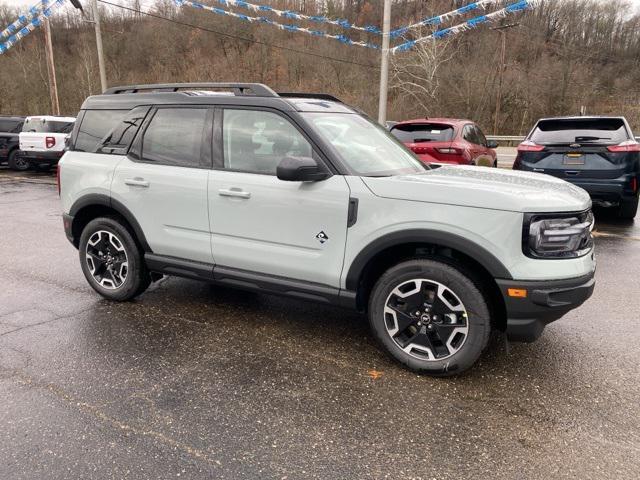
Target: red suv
(446,141)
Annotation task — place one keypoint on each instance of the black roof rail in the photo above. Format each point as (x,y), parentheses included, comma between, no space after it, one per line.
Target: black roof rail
(239,89)
(320,96)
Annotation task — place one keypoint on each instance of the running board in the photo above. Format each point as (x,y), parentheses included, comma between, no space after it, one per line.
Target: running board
(247,280)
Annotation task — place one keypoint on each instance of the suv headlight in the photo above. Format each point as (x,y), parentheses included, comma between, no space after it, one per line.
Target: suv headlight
(558,235)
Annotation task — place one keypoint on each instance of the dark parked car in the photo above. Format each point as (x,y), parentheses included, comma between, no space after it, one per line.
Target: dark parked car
(599,154)
(10,127)
(446,141)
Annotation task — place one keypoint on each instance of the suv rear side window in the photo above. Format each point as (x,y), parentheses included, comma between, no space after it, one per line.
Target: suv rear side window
(423,132)
(119,139)
(10,126)
(256,141)
(576,130)
(175,137)
(95,125)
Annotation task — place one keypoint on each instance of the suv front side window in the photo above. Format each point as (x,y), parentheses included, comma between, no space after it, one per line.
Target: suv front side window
(255,141)
(175,137)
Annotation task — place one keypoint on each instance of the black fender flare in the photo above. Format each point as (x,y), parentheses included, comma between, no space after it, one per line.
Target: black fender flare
(94,199)
(435,237)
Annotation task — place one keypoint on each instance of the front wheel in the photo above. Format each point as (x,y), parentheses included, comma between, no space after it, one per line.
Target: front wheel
(430,316)
(111,260)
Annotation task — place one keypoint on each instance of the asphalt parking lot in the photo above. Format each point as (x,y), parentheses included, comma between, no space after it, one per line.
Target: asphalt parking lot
(193,381)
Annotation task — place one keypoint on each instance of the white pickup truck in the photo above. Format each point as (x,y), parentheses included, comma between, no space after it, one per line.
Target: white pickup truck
(42,140)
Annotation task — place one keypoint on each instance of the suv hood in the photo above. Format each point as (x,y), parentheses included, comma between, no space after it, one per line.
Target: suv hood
(484,187)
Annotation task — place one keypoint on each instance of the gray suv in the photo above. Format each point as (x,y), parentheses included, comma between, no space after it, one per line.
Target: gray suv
(302,195)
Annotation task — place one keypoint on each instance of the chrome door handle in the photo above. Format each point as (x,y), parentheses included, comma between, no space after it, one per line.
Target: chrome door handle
(233,192)
(136,182)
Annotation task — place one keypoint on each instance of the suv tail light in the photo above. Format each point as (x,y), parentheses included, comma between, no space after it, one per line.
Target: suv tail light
(450,150)
(628,146)
(529,146)
(58,178)
(50,142)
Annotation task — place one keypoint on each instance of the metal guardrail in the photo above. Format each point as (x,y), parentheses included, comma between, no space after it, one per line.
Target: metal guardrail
(506,138)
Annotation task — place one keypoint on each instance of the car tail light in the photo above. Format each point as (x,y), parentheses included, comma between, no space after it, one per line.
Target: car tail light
(529,146)
(58,178)
(417,149)
(50,142)
(450,150)
(634,184)
(628,146)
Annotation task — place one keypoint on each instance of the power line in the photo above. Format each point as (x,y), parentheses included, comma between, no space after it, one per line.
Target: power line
(238,37)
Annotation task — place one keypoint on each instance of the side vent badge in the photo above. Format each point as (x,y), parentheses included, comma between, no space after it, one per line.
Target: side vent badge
(322,237)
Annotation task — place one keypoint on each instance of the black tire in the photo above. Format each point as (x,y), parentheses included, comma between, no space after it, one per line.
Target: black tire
(451,278)
(495,164)
(628,208)
(16,163)
(136,278)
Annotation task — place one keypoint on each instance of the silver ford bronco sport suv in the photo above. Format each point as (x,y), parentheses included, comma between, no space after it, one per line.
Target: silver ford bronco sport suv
(302,195)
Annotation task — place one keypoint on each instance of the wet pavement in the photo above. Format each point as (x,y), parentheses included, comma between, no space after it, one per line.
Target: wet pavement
(194,381)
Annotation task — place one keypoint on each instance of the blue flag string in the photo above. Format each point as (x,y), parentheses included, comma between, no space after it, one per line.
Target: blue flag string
(35,22)
(23,19)
(440,19)
(472,23)
(286,27)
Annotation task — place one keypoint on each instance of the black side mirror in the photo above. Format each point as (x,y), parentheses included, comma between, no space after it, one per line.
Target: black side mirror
(300,169)
(492,144)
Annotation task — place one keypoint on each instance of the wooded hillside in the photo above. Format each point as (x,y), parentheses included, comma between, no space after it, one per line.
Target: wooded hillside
(561,56)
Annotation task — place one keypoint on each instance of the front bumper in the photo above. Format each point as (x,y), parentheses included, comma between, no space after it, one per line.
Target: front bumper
(545,302)
(41,158)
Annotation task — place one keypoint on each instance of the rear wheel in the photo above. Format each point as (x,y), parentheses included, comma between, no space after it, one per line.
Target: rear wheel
(628,208)
(111,261)
(17,163)
(430,316)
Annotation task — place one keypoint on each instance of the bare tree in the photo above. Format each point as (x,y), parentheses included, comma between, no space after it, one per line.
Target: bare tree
(414,74)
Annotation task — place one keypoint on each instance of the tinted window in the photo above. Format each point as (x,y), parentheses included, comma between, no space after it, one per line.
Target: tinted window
(482,140)
(469,134)
(122,135)
(576,130)
(47,126)
(10,126)
(95,126)
(256,141)
(175,137)
(426,132)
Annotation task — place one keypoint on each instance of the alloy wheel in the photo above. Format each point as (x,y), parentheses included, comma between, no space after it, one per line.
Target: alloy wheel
(426,319)
(107,259)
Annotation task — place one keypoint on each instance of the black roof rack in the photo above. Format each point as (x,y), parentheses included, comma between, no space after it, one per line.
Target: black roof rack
(320,96)
(239,89)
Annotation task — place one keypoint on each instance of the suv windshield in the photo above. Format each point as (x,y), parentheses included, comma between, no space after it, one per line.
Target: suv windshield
(47,126)
(367,148)
(423,132)
(577,130)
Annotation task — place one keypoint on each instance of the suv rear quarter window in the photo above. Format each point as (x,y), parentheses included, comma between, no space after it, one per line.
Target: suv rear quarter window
(577,130)
(423,132)
(95,126)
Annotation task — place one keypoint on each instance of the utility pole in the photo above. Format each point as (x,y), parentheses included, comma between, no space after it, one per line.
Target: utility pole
(51,68)
(96,21)
(384,63)
(503,34)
